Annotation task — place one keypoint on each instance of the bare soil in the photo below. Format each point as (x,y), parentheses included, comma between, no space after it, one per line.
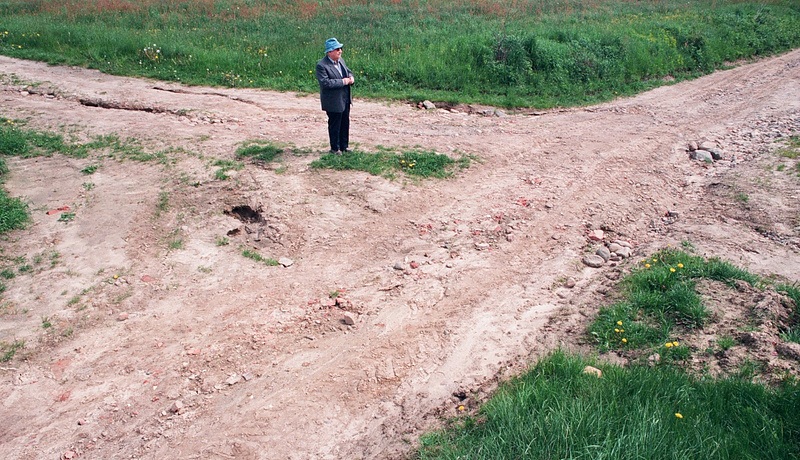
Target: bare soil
(163,342)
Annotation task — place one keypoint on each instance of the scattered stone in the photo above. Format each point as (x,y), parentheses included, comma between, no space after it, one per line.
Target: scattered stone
(596,235)
(707,145)
(623,243)
(624,252)
(604,253)
(286,262)
(499,113)
(702,155)
(654,359)
(570,283)
(692,146)
(399,266)
(68,455)
(177,407)
(348,320)
(327,302)
(414,264)
(247,376)
(234,379)
(593,371)
(148,278)
(593,261)
(614,247)
(123,316)
(428,105)
(482,246)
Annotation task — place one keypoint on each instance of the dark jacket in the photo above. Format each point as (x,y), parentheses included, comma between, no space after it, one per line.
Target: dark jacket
(333,93)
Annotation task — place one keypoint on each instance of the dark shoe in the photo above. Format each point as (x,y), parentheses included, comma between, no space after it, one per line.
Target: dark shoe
(334,152)
(346,151)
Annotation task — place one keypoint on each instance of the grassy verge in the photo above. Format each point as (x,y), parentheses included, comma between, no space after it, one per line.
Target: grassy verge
(652,410)
(538,53)
(558,411)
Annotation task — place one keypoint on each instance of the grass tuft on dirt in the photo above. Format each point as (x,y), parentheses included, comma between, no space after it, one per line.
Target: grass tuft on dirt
(259,152)
(659,295)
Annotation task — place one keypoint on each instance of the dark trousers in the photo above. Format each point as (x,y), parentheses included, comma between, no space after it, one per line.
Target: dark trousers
(339,129)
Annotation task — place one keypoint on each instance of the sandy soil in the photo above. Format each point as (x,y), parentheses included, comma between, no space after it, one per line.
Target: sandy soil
(155,351)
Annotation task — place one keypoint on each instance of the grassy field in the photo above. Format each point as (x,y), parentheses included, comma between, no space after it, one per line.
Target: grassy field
(519,53)
(641,411)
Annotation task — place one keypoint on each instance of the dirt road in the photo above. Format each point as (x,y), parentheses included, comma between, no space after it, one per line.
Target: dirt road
(149,335)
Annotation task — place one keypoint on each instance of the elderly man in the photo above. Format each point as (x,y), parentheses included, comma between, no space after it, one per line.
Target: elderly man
(334,93)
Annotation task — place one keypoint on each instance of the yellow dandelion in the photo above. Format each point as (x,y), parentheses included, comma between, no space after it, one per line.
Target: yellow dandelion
(646,265)
(668,344)
(671,270)
(619,323)
(675,343)
(680,265)
(616,330)
(678,415)
(655,260)
(624,340)
(622,330)
(461,408)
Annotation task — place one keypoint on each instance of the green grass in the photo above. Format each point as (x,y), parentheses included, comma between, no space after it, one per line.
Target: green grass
(162,205)
(13,213)
(387,163)
(91,169)
(253,255)
(532,53)
(8,350)
(263,152)
(555,411)
(659,296)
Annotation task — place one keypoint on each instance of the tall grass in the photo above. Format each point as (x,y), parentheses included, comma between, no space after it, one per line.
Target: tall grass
(514,53)
(555,411)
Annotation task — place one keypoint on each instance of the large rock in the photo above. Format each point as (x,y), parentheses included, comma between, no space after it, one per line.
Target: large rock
(593,261)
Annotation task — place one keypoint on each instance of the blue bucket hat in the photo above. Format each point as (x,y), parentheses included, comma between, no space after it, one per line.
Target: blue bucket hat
(332,44)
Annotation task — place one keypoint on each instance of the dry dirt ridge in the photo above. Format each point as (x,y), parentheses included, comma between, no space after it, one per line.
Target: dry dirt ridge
(397,301)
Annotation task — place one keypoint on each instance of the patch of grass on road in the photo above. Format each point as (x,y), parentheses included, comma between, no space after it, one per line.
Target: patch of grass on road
(387,163)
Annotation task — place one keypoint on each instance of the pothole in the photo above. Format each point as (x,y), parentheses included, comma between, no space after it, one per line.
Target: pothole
(245,214)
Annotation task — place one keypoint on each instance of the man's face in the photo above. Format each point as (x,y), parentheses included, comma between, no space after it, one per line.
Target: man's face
(335,54)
